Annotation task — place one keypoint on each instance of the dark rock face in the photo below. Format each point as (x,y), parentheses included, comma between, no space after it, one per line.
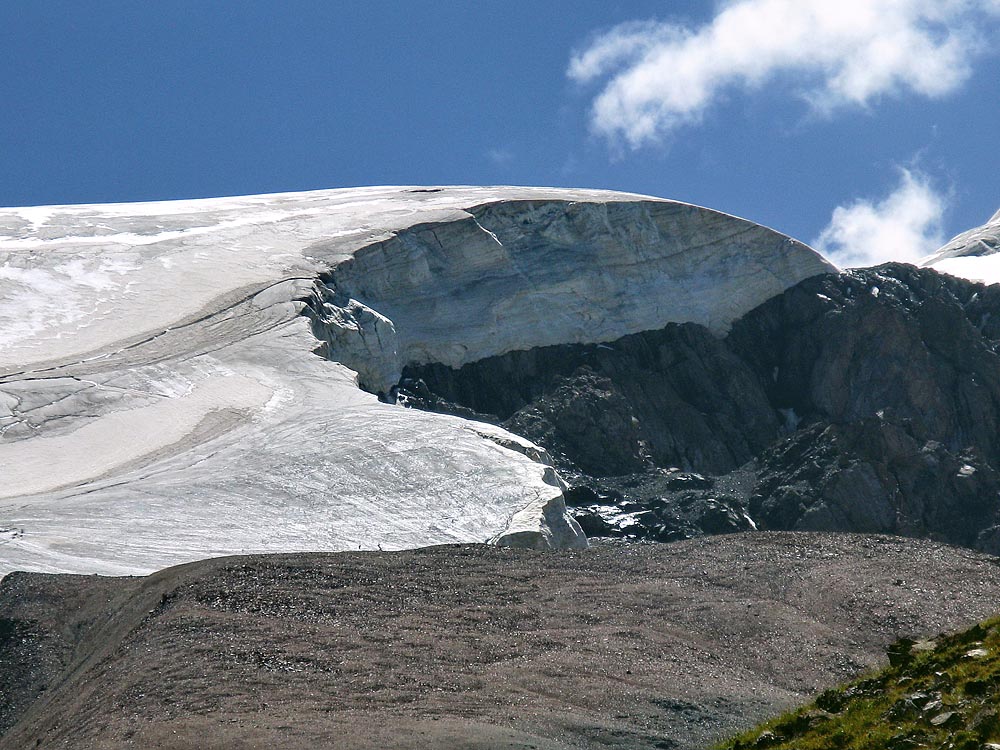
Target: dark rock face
(862,401)
(895,375)
(674,397)
(873,474)
(661,505)
(911,344)
(586,418)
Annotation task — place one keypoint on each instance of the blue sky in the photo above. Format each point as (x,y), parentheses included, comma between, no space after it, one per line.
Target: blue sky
(781,111)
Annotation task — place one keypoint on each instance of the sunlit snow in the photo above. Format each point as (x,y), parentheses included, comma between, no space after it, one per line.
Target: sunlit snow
(161,400)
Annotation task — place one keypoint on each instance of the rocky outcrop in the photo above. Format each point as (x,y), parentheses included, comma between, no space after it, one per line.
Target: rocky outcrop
(663,505)
(673,397)
(876,474)
(862,401)
(895,374)
(912,344)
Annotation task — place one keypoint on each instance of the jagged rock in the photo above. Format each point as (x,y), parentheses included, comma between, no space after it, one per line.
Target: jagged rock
(660,505)
(946,718)
(877,476)
(899,387)
(894,339)
(587,420)
(676,397)
(767,739)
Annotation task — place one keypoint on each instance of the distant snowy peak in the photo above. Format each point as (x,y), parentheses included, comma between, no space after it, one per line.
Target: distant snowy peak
(974,254)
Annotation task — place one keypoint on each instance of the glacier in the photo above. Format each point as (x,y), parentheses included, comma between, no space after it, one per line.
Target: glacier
(973,255)
(180,379)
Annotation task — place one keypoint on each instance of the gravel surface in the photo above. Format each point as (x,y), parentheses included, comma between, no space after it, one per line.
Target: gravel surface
(621,646)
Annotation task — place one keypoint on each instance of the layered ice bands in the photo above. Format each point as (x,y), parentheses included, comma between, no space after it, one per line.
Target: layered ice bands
(162,398)
(527,273)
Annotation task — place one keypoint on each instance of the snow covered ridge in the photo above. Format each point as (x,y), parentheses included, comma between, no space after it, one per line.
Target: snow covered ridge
(973,255)
(160,400)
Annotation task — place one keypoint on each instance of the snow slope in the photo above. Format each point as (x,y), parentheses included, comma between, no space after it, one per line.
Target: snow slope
(973,255)
(162,398)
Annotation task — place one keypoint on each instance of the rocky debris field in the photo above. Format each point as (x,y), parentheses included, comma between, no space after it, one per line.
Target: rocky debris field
(863,401)
(661,505)
(622,645)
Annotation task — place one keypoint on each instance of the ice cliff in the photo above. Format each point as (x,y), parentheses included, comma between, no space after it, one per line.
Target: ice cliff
(518,274)
(161,397)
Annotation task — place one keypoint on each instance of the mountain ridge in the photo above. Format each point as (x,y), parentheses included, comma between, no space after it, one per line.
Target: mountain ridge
(710,384)
(859,401)
(171,406)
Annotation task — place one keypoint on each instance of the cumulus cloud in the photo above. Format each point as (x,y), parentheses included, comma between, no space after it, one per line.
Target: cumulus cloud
(660,76)
(905,226)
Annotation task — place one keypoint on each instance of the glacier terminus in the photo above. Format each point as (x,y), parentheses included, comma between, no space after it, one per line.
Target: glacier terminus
(180,380)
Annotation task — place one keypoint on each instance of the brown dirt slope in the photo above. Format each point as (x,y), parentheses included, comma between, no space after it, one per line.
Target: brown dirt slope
(656,646)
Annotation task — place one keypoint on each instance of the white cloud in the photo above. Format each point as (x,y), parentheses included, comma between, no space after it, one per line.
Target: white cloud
(660,76)
(905,226)
(501,157)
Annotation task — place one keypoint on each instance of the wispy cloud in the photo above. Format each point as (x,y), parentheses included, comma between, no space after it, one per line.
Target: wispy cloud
(501,157)
(661,76)
(905,226)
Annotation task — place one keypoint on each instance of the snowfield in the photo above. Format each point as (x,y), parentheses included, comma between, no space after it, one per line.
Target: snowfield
(973,255)
(178,380)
